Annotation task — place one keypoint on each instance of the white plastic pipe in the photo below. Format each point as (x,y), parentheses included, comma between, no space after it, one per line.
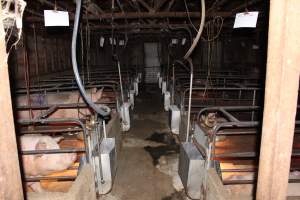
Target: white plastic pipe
(190,99)
(196,40)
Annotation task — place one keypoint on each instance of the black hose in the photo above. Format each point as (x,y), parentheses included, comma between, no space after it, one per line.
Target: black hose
(100,109)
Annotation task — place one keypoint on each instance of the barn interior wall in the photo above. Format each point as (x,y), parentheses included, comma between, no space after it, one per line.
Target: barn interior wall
(244,54)
(40,53)
(46,52)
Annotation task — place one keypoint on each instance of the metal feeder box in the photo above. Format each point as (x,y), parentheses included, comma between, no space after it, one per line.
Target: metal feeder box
(174,119)
(191,170)
(108,165)
(167,100)
(131,98)
(164,87)
(125,115)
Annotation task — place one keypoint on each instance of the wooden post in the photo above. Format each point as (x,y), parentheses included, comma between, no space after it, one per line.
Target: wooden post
(281,94)
(10,178)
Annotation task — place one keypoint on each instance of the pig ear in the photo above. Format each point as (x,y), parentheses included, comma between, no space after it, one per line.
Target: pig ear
(58,139)
(41,145)
(94,90)
(99,93)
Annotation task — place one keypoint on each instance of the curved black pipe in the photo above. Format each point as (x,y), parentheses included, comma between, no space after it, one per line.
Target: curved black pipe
(101,109)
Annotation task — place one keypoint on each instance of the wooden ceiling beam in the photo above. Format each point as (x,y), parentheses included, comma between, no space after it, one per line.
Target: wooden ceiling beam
(137,26)
(91,5)
(34,13)
(171,3)
(145,5)
(134,15)
(159,5)
(216,5)
(245,5)
(51,4)
(220,3)
(149,15)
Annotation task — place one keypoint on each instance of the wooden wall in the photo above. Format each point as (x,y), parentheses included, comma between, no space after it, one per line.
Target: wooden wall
(41,53)
(49,51)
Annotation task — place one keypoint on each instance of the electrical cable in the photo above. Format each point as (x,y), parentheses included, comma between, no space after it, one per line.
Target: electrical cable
(102,110)
(216,22)
(211,27)
(188,14)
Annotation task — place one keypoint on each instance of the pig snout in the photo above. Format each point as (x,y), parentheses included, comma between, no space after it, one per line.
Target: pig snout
(68,159)
(48,163)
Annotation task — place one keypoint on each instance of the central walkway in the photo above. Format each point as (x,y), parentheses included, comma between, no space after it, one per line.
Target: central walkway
(139,175)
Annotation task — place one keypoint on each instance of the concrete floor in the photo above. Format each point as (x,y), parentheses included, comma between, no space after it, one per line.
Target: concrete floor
(137,177)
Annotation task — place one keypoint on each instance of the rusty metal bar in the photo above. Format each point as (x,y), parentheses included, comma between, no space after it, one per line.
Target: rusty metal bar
(10,177)
(245,5)
(238,170)
(58,106)
(41,131)
(50,178)
(295,153)
(227,108)
(239,182)
(146,5)
(228,115)
(52,151)
(282,82)
(48,112)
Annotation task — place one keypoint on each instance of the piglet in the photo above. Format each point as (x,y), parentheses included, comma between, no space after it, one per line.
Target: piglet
(43,164)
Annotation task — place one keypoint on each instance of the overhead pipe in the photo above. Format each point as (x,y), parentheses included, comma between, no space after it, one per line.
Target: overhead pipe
(189,60)
(195,42)
(190,97)
(101,109)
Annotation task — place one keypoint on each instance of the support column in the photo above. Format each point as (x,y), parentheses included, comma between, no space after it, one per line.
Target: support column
(281,94)
(10,178)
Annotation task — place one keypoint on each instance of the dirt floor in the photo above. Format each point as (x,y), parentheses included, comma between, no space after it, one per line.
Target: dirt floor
(147,168)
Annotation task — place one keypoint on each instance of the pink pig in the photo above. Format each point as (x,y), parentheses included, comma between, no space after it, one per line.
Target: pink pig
(43,164)
(54,99)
